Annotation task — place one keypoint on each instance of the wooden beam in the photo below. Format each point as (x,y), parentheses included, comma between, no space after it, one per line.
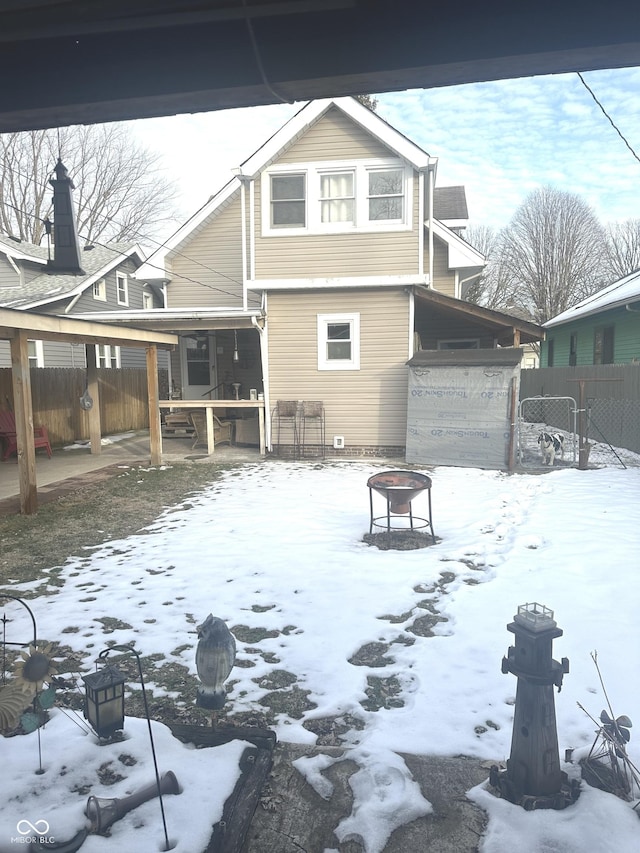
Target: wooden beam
(23,411)
(153,395)
(48,327)
(93,387)
(516,337)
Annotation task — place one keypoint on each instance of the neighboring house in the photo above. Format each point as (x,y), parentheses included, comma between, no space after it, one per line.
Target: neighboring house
(602,329)
(318,270)
(29,283)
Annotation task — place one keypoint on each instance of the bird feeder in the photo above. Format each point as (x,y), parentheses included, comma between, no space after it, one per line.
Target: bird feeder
(104,700)
(533,778)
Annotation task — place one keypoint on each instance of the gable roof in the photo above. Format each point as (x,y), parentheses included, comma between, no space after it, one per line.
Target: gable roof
(45,288)
(269,151)
(622,292)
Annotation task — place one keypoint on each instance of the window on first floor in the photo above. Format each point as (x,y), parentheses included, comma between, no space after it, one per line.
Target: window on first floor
(36,353)
(338,341)
(603,345)
(550,352)
(107,355)
(573,349)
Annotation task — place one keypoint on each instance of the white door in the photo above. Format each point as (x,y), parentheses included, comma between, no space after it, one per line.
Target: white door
(197,356)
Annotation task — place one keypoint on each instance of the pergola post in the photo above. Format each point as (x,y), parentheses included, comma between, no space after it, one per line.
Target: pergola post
(23,411)
(153,393)
(93,387)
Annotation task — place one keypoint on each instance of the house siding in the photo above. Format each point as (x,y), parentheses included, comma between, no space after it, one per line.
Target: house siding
(444,279)
(626,339)
(87,302)
(336,255)
(8,276)
(213,255)
(335,136)
(366,406)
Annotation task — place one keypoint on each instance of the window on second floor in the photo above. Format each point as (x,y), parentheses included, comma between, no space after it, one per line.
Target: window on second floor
(147,299)
(100,290)
(603,345)
(332,197)
(338,341)
(122,288)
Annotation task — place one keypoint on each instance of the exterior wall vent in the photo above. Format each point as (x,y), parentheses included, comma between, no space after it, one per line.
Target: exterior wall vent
(338,442)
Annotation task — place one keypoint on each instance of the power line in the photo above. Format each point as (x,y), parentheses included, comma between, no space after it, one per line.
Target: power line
(611,121)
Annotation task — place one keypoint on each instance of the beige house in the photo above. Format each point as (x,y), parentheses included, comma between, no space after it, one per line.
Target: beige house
(316,273)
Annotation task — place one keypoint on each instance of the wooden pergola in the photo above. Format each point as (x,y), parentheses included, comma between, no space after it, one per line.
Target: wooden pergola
(18,327)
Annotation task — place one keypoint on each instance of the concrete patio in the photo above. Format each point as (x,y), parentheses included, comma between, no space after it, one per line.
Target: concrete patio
(76,464)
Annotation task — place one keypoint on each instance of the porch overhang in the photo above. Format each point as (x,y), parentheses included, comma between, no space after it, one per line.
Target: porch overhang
(184,319)
(507,330)
(18,327)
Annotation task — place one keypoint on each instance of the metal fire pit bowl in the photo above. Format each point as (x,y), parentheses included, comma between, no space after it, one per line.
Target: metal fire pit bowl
(399,488)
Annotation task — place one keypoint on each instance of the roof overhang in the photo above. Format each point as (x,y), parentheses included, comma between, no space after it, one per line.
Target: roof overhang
(185,319)
(53,328)
(502,325)
(182,56)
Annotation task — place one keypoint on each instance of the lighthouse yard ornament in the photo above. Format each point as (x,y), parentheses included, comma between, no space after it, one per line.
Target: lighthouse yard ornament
(533,778)
(215,657)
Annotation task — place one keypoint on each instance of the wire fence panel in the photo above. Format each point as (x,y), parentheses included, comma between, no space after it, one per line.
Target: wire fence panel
(555,416)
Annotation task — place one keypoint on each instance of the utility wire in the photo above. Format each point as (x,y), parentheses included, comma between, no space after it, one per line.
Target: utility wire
(611,121)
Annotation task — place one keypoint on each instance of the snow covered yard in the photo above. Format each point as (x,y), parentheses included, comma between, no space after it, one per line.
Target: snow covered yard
(401,647)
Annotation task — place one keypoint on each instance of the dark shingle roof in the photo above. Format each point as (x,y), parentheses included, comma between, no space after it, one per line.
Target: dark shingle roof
(51,288)
(450,203)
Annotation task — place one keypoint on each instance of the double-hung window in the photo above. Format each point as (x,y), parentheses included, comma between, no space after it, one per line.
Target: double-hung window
(107,355)
(339,341)
(337,197)
(386,195)
(122,288)
(100,290)
(288,201)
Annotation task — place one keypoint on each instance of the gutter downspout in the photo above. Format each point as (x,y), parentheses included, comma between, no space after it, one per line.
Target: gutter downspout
(264,355)
(431,173)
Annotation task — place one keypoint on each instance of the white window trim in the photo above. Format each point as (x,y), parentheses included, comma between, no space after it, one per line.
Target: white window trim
(352,363)
(122,278)
(101,285)
(147,297)
(107,353)
(313,172)
(38,359)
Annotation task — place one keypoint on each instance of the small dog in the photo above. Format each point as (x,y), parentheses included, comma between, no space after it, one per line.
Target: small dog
(551,444)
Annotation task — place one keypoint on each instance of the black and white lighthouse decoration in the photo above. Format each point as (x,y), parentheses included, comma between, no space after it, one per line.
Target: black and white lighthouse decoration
(533,778)
(215,657)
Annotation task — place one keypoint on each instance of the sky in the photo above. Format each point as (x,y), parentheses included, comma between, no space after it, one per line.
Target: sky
(499,139)
(289,557)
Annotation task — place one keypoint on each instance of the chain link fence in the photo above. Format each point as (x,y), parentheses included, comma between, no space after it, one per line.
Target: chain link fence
(555,416)
(611,430)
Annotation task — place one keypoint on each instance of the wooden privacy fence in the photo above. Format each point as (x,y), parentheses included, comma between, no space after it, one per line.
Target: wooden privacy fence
(56,393)
(612,398)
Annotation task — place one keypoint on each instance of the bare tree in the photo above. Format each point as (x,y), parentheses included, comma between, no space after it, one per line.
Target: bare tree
(550,256)
(623,248)
(483,238)
(367,101)
(120,192)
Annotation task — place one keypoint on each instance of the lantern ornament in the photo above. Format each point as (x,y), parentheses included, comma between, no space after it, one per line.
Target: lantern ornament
(104,700)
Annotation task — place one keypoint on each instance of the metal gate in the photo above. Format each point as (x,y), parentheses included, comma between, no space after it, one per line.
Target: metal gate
(554,415)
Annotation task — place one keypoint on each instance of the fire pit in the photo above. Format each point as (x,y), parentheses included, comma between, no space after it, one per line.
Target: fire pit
(399,488)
